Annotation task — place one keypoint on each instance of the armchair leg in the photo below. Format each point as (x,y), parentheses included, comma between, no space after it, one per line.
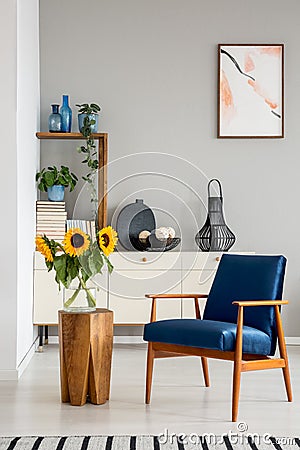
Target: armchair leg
(204,363)
(283,354)
(150,358)
(287,381)
(236,390)
(237,367)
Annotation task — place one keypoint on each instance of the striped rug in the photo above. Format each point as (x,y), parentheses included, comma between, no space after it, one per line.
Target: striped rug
(192,442)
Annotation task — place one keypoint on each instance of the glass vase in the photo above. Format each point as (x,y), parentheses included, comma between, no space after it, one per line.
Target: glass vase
(55,120)
(66,115)
(79,299)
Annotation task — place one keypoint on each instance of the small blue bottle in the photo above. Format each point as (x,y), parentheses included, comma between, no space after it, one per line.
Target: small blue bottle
(54,121)
(66,115)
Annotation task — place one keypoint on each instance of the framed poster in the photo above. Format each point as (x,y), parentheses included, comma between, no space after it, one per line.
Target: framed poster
(251,91)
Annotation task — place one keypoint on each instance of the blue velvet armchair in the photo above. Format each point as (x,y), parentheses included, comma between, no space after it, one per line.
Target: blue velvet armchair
(241,322)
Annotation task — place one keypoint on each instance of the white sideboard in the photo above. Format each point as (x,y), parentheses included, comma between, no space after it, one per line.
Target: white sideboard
(135,274)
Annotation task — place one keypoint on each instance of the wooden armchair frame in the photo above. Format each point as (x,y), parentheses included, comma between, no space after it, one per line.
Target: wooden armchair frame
(243,362)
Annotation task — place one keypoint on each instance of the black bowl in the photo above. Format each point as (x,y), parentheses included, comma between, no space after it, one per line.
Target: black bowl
(155,245)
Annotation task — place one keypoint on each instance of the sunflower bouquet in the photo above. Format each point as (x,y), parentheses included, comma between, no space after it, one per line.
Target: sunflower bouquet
(78,258)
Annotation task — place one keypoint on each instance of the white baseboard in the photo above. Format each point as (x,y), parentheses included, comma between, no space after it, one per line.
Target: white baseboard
(117,340)
(9,375)
(53,339)
(26,360)
(128,340)
(292,340)
(15,374)
(139,340)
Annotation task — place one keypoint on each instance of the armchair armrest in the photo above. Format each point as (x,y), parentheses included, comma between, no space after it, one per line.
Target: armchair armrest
(240,321)
(260,302)
(168,296)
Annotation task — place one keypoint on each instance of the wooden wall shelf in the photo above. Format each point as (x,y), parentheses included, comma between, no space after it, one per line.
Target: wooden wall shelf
(102,139)
(47,135)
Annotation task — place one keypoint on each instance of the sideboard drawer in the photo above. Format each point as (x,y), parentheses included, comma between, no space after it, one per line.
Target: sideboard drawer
(146,261)
(200,260)
(127,291)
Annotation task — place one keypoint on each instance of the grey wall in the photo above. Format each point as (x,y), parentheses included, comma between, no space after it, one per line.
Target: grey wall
(152,66)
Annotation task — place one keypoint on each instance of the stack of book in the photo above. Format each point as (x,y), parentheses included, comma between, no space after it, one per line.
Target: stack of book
(87,226)
(51,219)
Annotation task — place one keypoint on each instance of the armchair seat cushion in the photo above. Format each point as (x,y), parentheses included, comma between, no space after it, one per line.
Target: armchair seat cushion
(207,334)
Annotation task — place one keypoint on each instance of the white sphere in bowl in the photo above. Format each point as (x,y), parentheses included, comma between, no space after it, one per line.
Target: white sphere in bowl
(171,232)
(161,233)
(143,235)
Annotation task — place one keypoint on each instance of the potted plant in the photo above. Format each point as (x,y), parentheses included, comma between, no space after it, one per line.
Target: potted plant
(54,181)
(89,112)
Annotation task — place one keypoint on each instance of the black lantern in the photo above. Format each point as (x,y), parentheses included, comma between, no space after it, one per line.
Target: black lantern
(215,236)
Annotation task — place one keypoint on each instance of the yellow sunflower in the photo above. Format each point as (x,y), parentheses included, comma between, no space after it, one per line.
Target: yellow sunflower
(107,240)
(43,248)
(76,242)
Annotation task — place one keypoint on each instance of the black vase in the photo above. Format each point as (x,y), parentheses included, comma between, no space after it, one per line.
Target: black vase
(215,236)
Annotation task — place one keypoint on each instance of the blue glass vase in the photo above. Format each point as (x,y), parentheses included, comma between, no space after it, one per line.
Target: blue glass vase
(54,121)
(66,115)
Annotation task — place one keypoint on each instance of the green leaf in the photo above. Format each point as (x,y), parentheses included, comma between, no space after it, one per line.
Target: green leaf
(49,178)
(109,264)
(85,275)
(95,261)
(72,267)
(84,263)
(95,107)
(74,176)
(60,265)
(41,187)
(49,265)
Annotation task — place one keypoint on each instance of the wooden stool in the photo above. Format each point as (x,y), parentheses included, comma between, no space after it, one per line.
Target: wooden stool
(85,348)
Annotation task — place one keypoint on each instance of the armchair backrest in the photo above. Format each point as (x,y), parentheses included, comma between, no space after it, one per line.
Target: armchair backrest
(247,277)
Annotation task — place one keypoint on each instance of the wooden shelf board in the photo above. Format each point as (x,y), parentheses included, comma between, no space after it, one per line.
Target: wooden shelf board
(48,135)
(102,139)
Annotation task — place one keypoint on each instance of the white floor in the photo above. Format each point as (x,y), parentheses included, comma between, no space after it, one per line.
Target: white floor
(180,402)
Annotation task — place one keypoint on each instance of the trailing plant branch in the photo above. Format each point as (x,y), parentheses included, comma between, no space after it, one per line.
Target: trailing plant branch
(90,159)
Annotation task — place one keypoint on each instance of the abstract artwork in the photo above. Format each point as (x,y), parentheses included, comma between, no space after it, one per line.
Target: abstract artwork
(250,91)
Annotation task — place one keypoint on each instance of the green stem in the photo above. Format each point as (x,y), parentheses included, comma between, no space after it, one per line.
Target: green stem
(73,297)
(89,296)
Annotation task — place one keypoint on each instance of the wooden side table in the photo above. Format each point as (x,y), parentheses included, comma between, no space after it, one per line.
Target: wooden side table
(85,348)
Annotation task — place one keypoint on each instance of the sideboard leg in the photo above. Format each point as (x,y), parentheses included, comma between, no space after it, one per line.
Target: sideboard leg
(46,334)
(40,349)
